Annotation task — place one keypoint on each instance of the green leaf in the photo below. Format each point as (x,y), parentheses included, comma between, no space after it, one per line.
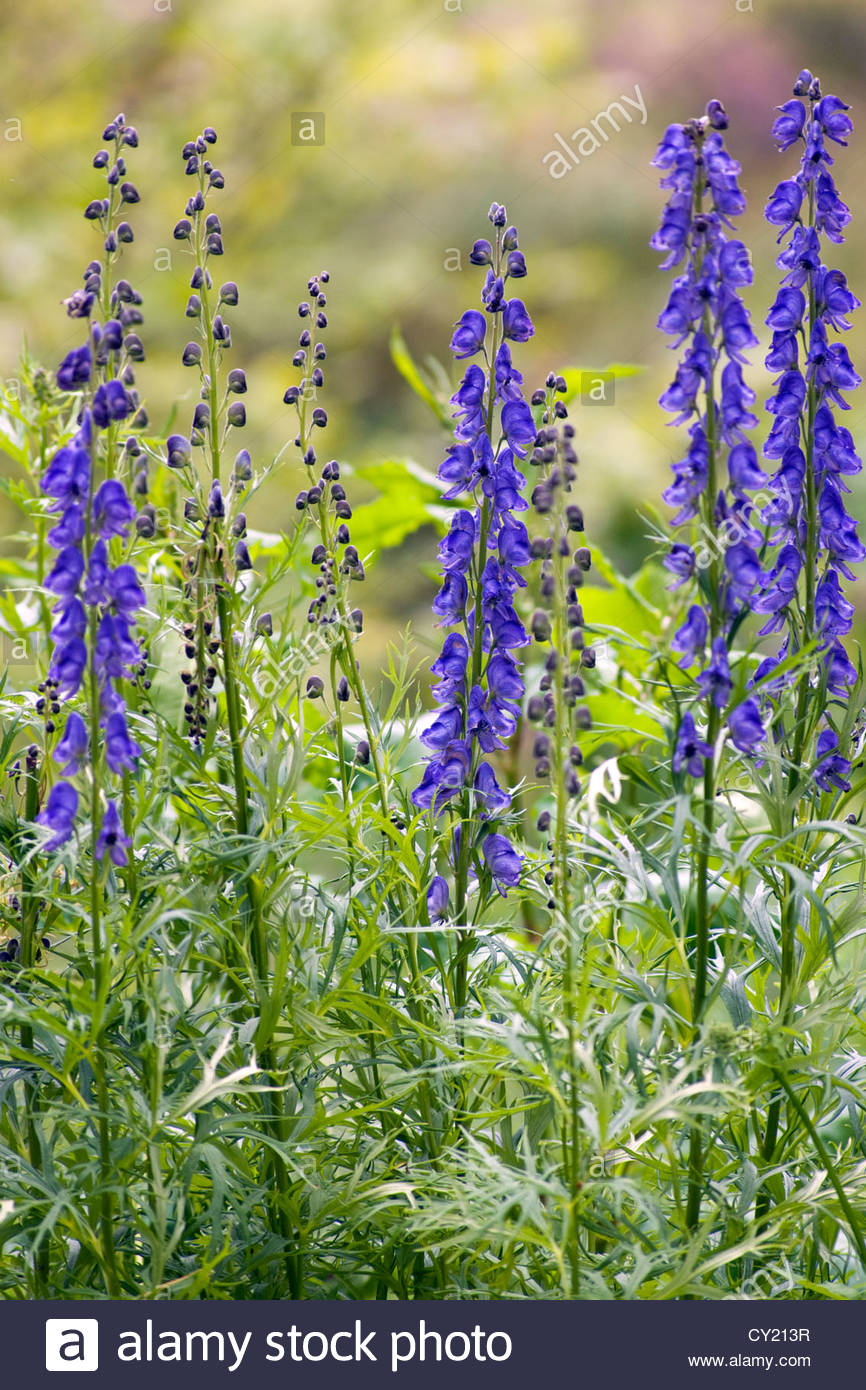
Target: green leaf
(406,366)
(406,494)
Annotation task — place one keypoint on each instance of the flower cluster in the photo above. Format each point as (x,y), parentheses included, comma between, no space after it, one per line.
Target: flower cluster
(97,590)
(213,511)
(480,688)
(815,538)
(705,311)
(558,620)
(324,499)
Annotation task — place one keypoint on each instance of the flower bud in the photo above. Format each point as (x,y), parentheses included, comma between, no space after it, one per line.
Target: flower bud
(243,468)
(540,625)
(145,523)
(716,115)
(242,557)
(215,505)
(315,687)
(191,355)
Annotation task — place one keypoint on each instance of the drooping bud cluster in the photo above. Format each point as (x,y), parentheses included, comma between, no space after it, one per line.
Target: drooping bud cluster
(213,512)
(480,687)
(815,538)
(706,312)
(558,621)
(323,500)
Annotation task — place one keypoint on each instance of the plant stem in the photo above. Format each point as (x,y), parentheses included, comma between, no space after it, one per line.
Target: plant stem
(801,735)
(29,916)
(828,1165)
(702,869)
(572,1161)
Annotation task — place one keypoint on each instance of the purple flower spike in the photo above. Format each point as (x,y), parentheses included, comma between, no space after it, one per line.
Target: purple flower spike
(814,546)
(479,687)
(710,394)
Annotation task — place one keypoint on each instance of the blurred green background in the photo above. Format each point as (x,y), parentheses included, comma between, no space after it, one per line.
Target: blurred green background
(432,108)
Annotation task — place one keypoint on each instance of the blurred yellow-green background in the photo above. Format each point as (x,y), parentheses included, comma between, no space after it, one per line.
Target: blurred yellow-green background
(430,110)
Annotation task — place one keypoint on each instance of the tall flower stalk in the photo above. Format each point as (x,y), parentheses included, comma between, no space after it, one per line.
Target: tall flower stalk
(558,717)
(480,687)
(705,312)
(220,554)
(213,589)
(814,538)
(332,615)
(98,595)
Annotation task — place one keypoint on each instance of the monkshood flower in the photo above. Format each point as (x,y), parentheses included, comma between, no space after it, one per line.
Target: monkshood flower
(97,592)
(479,684)
(815,539)
(710,326)
(95,609)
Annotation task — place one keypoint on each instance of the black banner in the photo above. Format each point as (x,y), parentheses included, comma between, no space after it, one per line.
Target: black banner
(322,1346)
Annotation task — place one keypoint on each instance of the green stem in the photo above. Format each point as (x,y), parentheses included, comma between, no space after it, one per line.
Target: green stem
(572,1159)
(801,734)
(827,1164)
(702,868)
(29,920)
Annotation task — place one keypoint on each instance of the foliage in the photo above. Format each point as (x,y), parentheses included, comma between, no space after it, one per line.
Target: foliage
(275,1071)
